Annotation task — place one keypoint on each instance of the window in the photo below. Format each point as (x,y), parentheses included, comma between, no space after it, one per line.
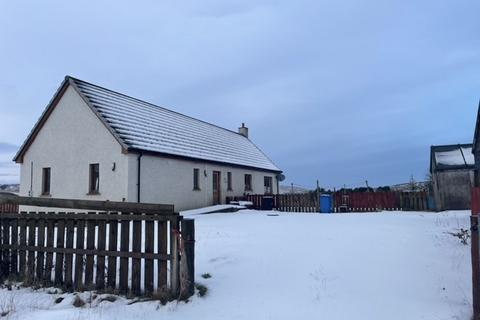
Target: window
(94,185)
(196,177)
(267,182)
(46,181)
(248,182)
(229,181)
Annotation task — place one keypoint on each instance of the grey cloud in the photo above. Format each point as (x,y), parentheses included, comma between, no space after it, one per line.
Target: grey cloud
(335,90)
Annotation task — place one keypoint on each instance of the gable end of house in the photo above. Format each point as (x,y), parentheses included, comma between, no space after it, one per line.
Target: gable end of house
(67,82)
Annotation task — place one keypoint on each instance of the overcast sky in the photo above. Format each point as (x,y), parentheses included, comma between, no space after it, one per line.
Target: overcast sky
(340,91)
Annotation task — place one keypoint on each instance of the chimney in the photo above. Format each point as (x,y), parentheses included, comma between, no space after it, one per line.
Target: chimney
(243,130)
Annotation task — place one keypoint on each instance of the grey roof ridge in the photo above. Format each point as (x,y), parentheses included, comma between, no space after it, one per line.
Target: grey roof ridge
(98,114)
(154,105)
(72,81)
(164,108)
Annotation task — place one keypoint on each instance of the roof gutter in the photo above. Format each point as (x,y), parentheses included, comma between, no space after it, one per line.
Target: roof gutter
(174,156)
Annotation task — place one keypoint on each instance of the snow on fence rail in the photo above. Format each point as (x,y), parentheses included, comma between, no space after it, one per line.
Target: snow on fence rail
(344,201)
(99,250)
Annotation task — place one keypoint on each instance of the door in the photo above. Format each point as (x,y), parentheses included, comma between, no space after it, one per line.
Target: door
(216,187)
(267,183)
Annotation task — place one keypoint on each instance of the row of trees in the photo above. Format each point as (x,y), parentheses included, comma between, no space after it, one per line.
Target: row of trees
(412,185)
(360,189)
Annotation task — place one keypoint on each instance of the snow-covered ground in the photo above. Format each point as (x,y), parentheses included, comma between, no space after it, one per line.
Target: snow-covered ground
(212,209)
(303,266)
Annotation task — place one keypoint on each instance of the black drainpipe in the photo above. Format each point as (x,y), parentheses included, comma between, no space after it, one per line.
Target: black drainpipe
(139,158)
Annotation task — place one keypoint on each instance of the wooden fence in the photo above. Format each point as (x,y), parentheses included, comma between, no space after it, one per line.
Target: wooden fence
(305,202)
(377,201)
(130,249)
(414,201)
(8,207)
(345,201)
(365,201)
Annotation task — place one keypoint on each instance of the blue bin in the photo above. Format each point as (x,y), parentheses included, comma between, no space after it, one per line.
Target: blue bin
(326,203)
(267,203)
(431,203)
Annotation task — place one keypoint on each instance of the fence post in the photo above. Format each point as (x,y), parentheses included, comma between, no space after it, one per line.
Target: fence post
(187,263)
(3,271)
(174,262)
(475,252)
(475,247)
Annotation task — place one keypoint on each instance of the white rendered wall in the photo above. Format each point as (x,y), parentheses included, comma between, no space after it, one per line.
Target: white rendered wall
(170,181)
(71,139)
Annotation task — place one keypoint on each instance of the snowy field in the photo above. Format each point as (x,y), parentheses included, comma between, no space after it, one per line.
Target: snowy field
(302,266)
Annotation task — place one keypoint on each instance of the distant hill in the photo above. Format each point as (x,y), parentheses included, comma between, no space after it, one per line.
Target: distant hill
(10,187)
(288,189)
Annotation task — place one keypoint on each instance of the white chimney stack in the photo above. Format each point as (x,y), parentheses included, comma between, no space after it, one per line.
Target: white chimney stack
(243,130)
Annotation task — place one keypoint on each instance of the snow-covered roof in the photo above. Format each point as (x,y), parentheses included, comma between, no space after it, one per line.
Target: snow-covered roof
(142,126)
(453,157)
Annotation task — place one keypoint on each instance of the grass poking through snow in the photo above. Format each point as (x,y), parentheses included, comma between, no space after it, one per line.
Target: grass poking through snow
(202,289)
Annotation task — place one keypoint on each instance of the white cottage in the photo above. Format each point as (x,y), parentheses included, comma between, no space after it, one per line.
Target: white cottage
(94,143)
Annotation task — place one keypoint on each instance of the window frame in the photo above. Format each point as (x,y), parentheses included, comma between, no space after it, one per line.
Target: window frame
(196,179)
(46,191)
(229,181)
(270,180)
(248,186)
(93,190)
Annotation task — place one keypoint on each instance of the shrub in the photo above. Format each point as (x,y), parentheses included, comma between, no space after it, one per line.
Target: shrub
(202,289)
(462,234)
(78,302)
